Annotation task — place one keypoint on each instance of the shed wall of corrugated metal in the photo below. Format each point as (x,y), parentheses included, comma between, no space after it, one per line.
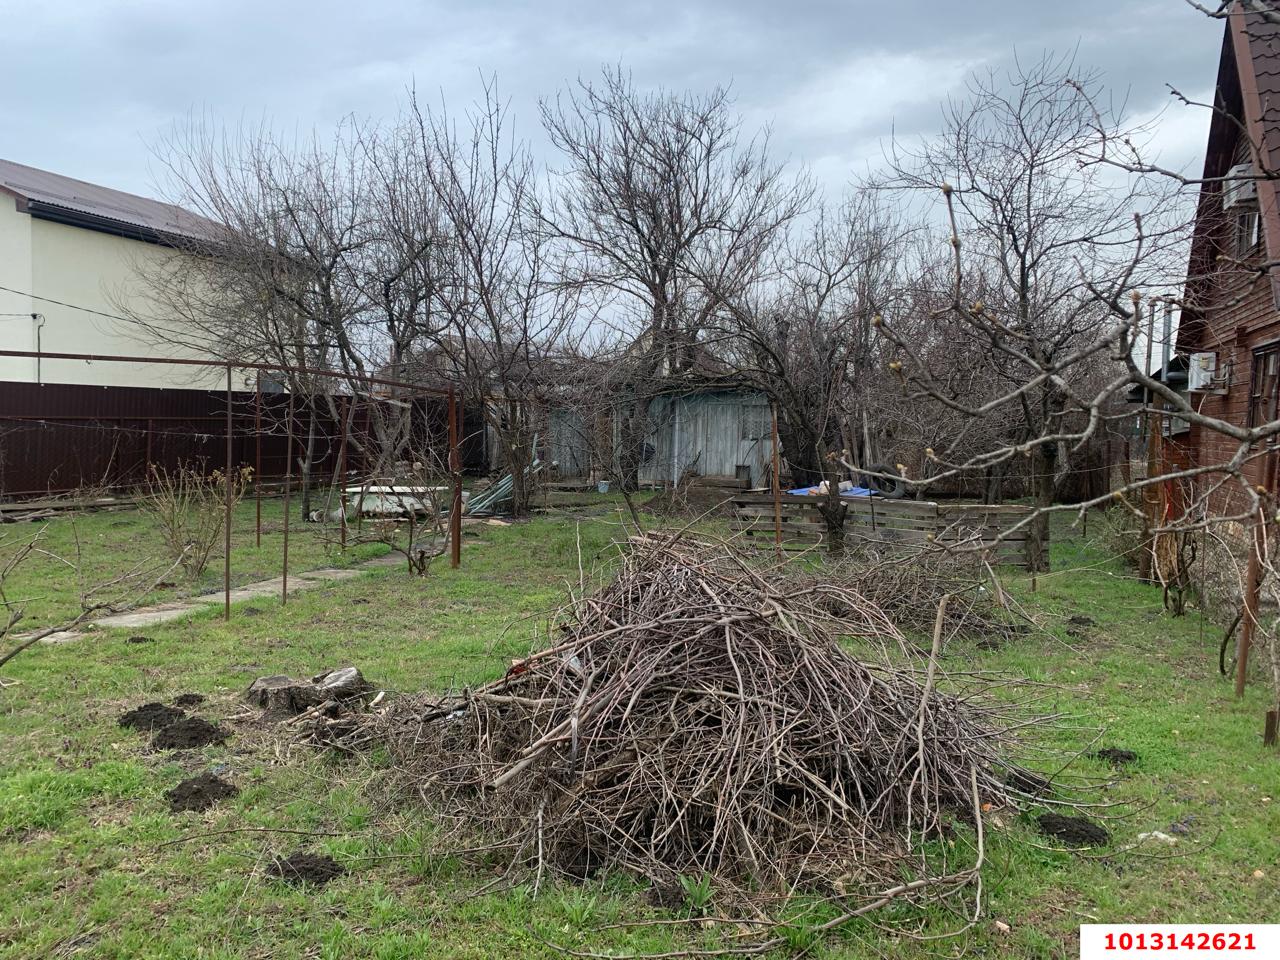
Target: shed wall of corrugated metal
(568,443)
(710,434)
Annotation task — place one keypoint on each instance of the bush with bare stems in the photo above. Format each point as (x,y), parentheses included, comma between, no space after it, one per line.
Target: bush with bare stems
(909,585)
(410,517)
(190,506)
(694,719)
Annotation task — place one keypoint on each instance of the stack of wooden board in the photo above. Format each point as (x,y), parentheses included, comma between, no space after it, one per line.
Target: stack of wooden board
(877,521)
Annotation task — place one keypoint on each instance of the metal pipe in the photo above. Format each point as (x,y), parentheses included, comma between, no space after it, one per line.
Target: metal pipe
(675,441)
(257,456)
(38,320)
(226,560)
(455,467)
(288,487)
(219,364)
(1166,347)
(777,489)
(342,476)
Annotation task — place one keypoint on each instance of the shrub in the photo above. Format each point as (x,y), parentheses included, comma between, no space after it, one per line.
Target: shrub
(189,506)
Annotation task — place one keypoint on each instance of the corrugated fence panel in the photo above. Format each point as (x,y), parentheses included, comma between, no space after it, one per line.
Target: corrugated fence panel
(58,438)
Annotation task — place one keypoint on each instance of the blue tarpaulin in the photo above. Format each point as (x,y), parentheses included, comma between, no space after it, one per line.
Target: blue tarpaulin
(851,492)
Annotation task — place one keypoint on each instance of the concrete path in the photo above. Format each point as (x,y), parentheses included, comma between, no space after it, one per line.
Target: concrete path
(176,609)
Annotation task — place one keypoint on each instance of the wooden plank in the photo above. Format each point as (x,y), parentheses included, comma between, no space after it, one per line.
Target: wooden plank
(888,507)
(802,521)
(762,510)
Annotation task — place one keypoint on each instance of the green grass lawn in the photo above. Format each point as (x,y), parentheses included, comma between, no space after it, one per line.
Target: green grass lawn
(79,552)
(92,863)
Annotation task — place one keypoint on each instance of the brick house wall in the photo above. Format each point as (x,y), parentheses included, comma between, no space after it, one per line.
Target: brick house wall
(1231,307)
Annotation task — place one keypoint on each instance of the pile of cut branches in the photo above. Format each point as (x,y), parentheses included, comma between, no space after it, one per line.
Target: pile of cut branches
(691,719)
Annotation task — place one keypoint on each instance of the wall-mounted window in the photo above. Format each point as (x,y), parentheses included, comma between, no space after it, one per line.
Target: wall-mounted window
(1263,384)
(1248,233)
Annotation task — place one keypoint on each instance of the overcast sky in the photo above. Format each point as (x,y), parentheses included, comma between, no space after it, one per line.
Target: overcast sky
(88,85)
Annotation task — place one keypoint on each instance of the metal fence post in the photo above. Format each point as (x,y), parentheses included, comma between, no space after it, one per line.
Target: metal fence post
(288,488)
(257,457)
(455,466)
(226,560)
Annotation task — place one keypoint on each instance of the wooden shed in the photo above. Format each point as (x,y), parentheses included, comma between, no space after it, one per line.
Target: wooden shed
(708,433)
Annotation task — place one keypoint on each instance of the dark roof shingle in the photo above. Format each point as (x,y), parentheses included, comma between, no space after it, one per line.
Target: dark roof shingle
(87,204)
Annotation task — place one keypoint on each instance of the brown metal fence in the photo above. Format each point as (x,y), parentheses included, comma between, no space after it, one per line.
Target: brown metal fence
(57,438)
(62,438)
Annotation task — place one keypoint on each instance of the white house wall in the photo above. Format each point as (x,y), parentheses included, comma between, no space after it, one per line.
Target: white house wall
(88,269)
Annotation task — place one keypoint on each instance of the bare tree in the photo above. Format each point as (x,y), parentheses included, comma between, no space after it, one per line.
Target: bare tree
(267,277)
(655,192)
(801,333)
(504,317)
(1053,241)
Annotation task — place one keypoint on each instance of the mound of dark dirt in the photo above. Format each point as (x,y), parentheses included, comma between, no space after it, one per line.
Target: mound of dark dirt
(1027,782)
(151,716)
(1080,620)
(189,699)
(1076,831)
(200,793)
(187,734)
(1115,756)
(302,867)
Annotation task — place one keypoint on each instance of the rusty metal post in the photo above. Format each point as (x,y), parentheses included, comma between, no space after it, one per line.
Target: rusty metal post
(342,475)
(455,467)
(1252,579)
(226,560)
(288,487)
(777,489)
(257,457)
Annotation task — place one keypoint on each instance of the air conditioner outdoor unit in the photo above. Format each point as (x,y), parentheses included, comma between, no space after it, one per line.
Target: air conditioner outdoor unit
(1202,373)
(1239,188)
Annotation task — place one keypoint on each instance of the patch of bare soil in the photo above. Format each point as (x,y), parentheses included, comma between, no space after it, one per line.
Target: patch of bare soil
(1076,831)
(199,793)
(151,716)
(188,734)
(1024,781)
(1115,756)
(188,699)
(302,867)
